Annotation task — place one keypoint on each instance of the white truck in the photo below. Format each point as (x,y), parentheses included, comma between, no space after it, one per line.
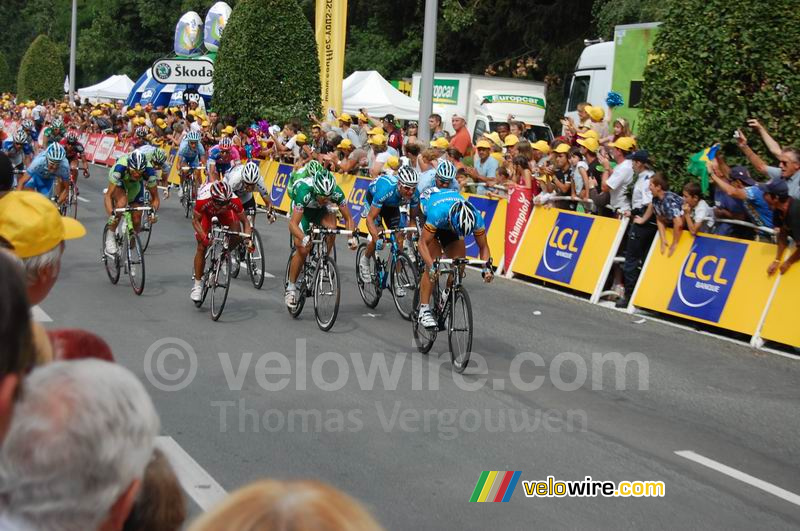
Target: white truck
(487,101)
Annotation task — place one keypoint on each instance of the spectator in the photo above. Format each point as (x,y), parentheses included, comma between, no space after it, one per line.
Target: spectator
(435,124)
(215,124)
(441,145)
(461,140)
(517,128)
(428,160)
(36,231)
(668,209)
(6,174)
(589,148)
(697,215)
(725,206)
(352,157)
(346,131)
(362,128)
(499,188)
(287,505)
(318,144)
(597,124)
(380,155)
(621,128)
(744,188)
(541,152)
(521,175)
(394,136)
(485,166)
(561,176)
(160,505)
(789,159)
(617,183)
(412,130)
(413,155)
(75,453)
(510,143)
(580,176)
(786,214)
(502,130)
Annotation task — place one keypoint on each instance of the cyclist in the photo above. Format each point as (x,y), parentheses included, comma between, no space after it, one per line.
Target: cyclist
(127,180)
(443,177)
(312,200)
(221,158)
(244,180)
(55,132)
(75,154)
(46,167)
(19,150)
(385,196)
(216,200)
(449,219)
(191,153)
(158,160)
(139,138)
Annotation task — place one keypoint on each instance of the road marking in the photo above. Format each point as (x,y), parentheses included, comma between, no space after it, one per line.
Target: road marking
(84,200)
(373,315)
(197,483)
(791,497)
(40,316)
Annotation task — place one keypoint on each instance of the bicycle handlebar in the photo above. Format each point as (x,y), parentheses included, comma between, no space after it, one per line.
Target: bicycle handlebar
(388,232)
(131,209)
(464,261)
(332,231)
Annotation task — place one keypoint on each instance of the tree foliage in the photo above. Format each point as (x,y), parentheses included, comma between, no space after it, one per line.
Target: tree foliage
(41,73)
(610,13)
(267,63)
(713,68)
(6,81)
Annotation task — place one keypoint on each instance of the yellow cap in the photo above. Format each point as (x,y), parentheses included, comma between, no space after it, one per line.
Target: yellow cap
(345,144)
(589,143)
(173,110)
(392,163)
(377,140)
(541,145)
(497,156)
(229,130)
(141,120)
(483,144)
(589,133)
(192,112)
(130,113)
(625,143)
(362,117)
(440,143)
(32,225)
(562,148)
(205,123)
(344,117)
(511,140)
(494,137)
(595,113)
(97,112)
(301,138)
(375,131)
(161,123)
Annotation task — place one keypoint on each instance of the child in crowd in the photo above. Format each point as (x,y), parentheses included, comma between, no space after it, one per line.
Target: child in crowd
(668,209)
(580,175)
(697,214)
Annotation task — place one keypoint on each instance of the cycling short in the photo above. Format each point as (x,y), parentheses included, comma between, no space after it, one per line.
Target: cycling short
(228,218)
(313,216)
(390,215)
(250,203)
(446,237)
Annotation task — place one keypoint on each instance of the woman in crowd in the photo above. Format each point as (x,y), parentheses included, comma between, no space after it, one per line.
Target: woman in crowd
(410,134)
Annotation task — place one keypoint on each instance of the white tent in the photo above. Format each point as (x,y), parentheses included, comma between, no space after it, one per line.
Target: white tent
(368,90)
(113,88)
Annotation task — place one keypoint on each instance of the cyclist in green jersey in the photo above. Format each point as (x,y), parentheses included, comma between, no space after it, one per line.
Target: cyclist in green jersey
(127,180)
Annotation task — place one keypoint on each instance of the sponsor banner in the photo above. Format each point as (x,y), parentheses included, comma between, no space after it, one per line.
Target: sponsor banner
(516,99)
(90,146)
(520,207)
(120,149)
(189,35)
(711,279)
(357,199)
(216,19)
(494,215)
(445,91)
(105,150)
(183,71)
(567,248)
(330,30)
(83,139)
(781,321)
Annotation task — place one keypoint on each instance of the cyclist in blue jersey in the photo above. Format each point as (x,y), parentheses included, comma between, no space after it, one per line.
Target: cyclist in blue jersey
(385,196)
(46,167)
(139,138)
(443,177)
(449,219)
(33,134)
(191,153)
(221,159)
(19,150)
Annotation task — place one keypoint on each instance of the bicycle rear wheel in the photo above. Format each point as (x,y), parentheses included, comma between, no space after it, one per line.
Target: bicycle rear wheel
(459,329)
(220,282)
(111,262)
(404,281)
(370,290)
(73,201)
(256,262)
(327,294)
(187,197)
(301,286)
(135,262)
(423,337)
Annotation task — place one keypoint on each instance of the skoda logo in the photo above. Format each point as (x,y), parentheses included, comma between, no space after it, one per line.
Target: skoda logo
(163,71)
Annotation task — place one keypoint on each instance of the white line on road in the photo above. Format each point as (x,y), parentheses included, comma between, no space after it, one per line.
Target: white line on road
(40,316)
(791,497)
(197,483)
(83,199)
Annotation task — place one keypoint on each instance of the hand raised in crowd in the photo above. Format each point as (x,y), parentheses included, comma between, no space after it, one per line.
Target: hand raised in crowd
(755,124)
(741,140)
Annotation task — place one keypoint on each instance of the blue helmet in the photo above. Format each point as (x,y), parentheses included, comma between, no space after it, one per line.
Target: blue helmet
(55,153)
(446,171)
(463,217)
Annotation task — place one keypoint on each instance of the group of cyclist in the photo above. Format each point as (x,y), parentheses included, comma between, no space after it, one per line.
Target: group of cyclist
(442,215)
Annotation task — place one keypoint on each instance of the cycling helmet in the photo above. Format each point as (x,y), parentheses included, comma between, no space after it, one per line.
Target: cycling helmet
(137,161)
(407,176)
(462,217)
(314,168)
(72,137)
(55,153)
(193,136)
(58,123)
(221,191)
(142,131)
(225,143)
(20,136)
(324,184)
(446,171)
(251,173)
(27,125)
(159,157)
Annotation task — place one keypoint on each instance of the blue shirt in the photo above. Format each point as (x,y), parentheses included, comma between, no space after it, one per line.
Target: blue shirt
(191,155)
(669,207)
(427,180)
(41,179)
(384,192)
(732,205)
(757,208)
(222,167)
(15,155)
(436,205)
(486,169)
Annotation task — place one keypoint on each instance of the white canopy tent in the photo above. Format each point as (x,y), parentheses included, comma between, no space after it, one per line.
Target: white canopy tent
(368,90)
(113,88)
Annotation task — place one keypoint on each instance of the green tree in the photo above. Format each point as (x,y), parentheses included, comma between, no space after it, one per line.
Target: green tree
(41,74)
(267,64)
(713,68)
(6,81)
(610,13)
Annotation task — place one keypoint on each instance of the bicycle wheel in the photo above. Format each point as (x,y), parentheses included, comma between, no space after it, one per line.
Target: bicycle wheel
(220,282)
(327,294)
(236,261)
(111,262)
(135,262)
(423,337)
(370,290)
(73,202)
(459,329)
(187,197)
(301,286)
(256,262)
(146,231)
(208,267)
(403,283)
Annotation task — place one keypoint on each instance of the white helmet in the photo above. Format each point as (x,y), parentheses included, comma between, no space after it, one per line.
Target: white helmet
(251,174)
(462,217)
(407,176)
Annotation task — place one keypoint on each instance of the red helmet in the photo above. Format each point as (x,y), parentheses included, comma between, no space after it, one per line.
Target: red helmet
(221,191)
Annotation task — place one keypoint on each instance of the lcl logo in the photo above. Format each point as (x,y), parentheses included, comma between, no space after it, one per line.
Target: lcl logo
(564,247)
(564,239)
(700,271)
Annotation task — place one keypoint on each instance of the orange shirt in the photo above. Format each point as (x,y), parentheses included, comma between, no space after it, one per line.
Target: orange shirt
(462,142)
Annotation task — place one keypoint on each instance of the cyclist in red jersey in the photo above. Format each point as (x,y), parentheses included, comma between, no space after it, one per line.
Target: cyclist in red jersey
(75,154)
(214,200)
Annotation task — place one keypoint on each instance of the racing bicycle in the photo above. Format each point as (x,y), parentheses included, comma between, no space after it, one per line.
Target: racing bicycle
(129,249)
(254,259)
(146,228)
(189,188)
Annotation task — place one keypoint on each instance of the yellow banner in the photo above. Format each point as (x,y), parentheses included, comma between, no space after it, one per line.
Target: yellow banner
(781,322)
(494,216)
(568,248)
(711,279)
(331,29)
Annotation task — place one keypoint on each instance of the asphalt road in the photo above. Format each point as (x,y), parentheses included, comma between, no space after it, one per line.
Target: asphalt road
(412,441)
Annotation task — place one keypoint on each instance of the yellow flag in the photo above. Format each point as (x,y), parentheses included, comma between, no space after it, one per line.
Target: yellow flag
(331,29)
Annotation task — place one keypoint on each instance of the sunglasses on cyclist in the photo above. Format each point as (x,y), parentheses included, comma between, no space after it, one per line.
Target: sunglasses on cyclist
(218,202)
(406,188)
